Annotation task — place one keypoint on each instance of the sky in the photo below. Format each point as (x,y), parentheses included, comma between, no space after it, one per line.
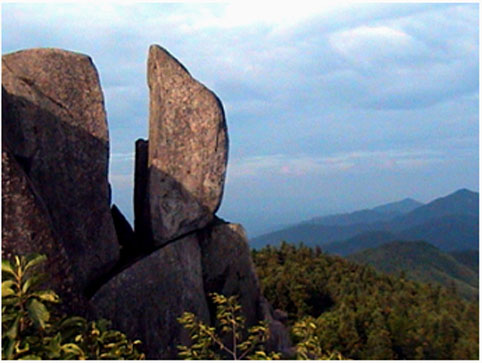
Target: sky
(331,107)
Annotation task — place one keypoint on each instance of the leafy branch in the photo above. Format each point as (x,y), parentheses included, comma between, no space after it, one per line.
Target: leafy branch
(207,342)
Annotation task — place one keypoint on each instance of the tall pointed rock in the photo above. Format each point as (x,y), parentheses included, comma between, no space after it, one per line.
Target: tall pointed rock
(188,150)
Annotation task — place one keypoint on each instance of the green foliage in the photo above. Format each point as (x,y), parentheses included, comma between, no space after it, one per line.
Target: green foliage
(229,339)
(33,329)
(422,262)
(364,314)
(308,342)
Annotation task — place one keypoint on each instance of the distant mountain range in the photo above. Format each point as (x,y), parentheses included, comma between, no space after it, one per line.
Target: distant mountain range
(380,213)
(423,262)
(450,223)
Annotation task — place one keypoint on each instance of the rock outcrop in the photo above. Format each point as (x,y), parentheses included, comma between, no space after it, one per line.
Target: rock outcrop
(56,199)
(188,148)
(54,123)
(146,299)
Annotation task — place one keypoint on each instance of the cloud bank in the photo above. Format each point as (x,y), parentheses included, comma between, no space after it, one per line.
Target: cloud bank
(364,94)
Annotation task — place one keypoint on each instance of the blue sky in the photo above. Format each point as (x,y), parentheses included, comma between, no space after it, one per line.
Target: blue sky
(330,108)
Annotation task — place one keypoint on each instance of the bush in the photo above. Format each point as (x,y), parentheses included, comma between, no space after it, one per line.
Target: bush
(207,342)
(33,329)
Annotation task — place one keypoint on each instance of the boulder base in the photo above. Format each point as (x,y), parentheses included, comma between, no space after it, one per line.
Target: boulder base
(146,299)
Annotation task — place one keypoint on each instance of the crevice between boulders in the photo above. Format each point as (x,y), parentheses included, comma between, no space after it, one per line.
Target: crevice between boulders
(127,261)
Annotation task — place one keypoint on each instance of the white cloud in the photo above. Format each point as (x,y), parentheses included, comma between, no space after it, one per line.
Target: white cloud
(119,157)
(288,165)
(351,42)
(378,46)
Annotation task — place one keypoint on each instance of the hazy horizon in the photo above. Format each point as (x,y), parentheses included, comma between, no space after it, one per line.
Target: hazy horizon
(330,108)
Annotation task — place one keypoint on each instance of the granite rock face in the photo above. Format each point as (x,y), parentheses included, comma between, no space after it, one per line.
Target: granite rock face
(27,228)
(228,268)
(146,298)
(54,123)
(188,149)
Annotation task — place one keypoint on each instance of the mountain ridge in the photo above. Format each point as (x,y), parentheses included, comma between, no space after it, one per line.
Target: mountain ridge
(368,215)
(453,215)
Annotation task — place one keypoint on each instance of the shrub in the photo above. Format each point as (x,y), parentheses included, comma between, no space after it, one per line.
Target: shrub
(33,329)
(208,342)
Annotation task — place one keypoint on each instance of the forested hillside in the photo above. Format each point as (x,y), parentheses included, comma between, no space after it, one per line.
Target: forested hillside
(469,258)
(364,314)
(421,262)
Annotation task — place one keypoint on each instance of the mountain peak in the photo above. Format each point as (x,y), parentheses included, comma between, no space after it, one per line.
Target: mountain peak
(464,191)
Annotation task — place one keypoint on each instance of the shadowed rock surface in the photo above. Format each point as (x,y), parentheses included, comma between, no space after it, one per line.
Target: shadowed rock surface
(142,220)
(27,228)
(124,231)
(54,122)
(146,299)
(228,268)
(188,149)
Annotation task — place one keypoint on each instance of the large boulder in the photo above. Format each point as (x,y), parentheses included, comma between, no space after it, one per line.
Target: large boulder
(146,298)
(188,149)
(228,268)
(54,122)
(27,228)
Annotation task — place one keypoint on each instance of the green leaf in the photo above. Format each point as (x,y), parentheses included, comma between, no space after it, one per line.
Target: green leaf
(34,260)
(38,312)
(7,288)
(30,357)
(73,349)
(54,346)
(9,349)
(7,267)
(73,322)
(12,332)
(10,301)
(19,349)
(47,295)
(31,282)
